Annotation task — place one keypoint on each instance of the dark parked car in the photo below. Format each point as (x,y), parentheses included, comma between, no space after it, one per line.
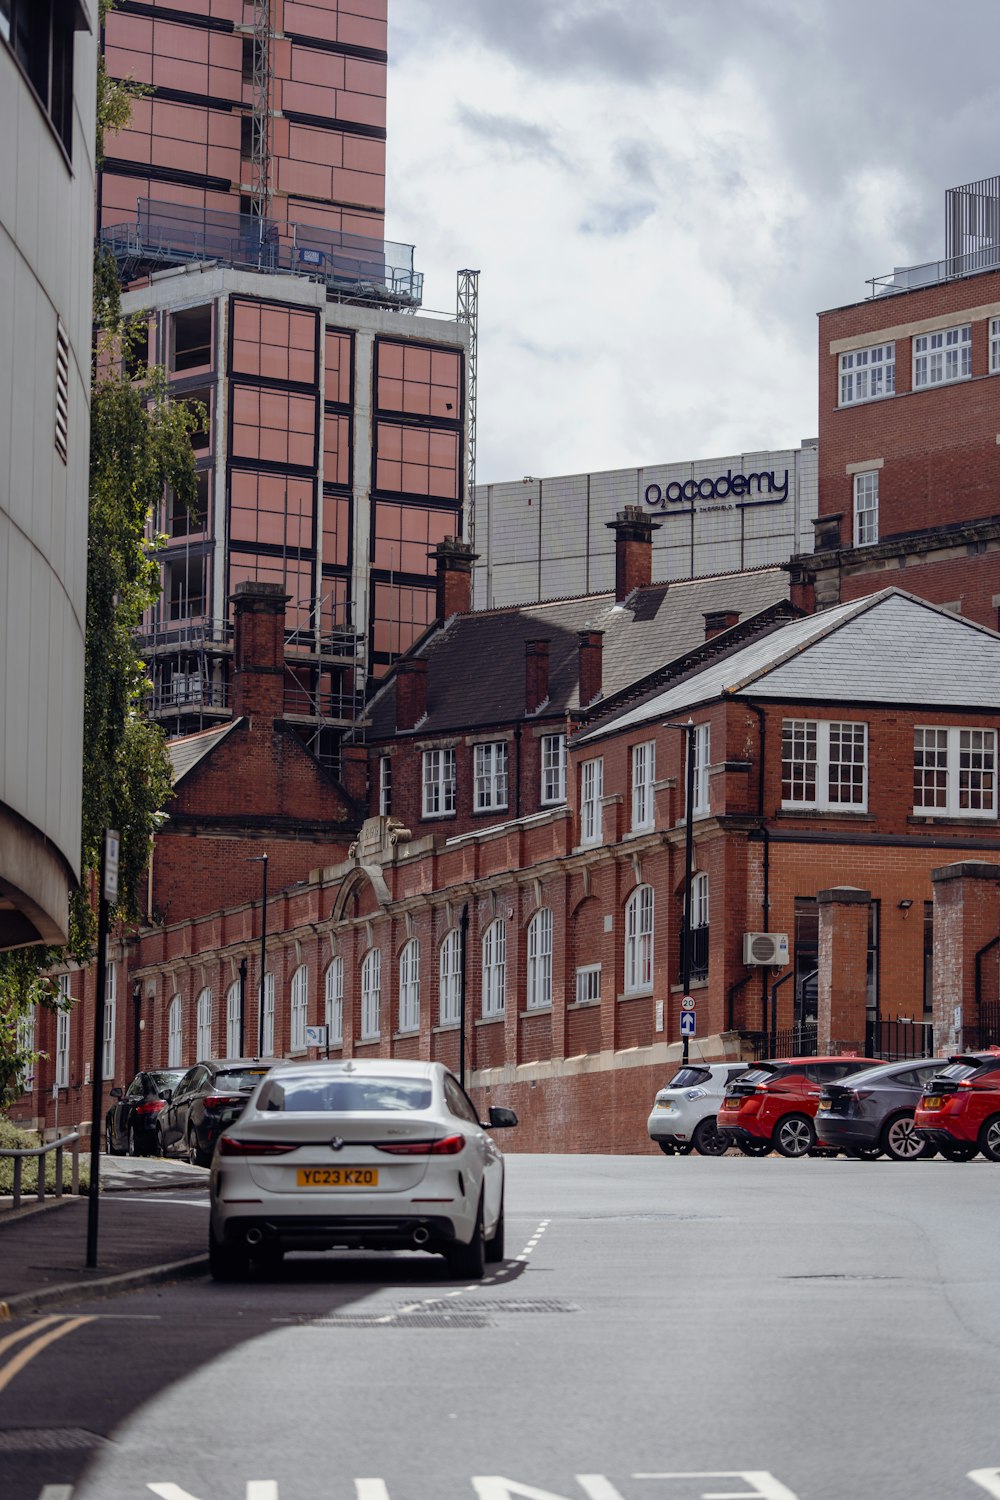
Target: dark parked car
(130,1123)
(871,1113)
(209,1096)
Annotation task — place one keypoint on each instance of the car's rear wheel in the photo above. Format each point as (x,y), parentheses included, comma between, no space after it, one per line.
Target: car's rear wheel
(494,1246)
(109,1139)
(226,1262)
(755,1147)
(468,1262)
(134,1148)
(795,1135)
(989,1138)
(708,1139)
(667,1147)
(958,1151)
(863,1153)
(196,1156)
(902,1141)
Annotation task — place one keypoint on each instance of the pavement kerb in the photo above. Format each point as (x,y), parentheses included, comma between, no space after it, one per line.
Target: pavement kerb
(28,1302)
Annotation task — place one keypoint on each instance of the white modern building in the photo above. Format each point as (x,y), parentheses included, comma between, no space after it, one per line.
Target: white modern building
(549,538)
(48,73)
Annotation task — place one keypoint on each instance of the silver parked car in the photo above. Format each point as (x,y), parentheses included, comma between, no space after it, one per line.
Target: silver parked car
(372,1154)
(683,1114)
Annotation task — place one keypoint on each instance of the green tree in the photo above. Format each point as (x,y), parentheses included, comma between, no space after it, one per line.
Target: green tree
(139,448)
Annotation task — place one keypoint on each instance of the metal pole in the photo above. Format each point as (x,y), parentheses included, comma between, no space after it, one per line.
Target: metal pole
(243,1003)
(463,928)
(688,862)
(97,1074)
(263,961)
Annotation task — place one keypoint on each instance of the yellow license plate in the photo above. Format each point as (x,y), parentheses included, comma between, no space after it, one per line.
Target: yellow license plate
(934,1101)
(338,1177)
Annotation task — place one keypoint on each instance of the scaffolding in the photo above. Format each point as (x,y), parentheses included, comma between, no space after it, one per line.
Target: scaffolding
(468,312)
(260,138)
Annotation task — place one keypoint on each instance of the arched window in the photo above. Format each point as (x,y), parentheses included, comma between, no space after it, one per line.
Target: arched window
(494,968)
(203,1024)
(234,1020)
(540,960)
(110,1004)
(451,978)
(300,1008)
(175,1034)
(639,940)
(409,987)
(699,926)
(371,995)
(335,1003)
(267,1047)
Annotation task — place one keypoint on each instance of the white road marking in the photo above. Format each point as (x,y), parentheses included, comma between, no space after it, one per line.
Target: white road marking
(987,1479)
(159,1198)
(370,1489)
(56,1492)
(768,1488)
(257,1489)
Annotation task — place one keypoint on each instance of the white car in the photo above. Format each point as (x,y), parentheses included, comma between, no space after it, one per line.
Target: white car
(684,1112)
(372,1154)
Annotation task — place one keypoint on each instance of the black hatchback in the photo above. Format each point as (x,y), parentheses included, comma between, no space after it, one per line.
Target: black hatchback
(130,1123)
(870,1114)
(208,1098)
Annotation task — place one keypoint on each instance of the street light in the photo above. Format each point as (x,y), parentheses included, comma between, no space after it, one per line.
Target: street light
(688,730)
(261,859)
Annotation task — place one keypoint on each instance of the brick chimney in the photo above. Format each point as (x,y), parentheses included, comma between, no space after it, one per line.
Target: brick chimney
(536,675)
(259,650)
(454,561)
(718,620)
(411,691)
(802,586)
(633,529)
(591,652)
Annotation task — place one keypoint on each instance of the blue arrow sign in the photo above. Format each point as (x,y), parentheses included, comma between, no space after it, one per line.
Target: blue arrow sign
(688,1023)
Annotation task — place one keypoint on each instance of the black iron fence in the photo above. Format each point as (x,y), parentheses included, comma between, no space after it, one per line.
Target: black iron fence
(894,1041)
(985,1030)
(787,1041)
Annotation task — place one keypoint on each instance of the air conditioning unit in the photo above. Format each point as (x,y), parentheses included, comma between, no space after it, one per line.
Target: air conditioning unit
(768,948)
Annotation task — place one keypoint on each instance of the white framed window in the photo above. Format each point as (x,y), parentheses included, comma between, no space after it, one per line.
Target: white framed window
(700,744)
(941,357)
(699,900)
(409,987)
(63,1035)
(591,796)
(588,984)
(334,986)
(26,1043)
(438,784)
(553,789)
(203,1024)
(540,960)
(866,508)
(494,969)
(450,978)
(824,764)
(268,1042)
(643,776)
(371,995)
(490,776)
(385,785)
(175,1033)
(234,1019)
(300,1008)
(867,374)
(639,940)
(110,1006)
(994,345)
(955,772)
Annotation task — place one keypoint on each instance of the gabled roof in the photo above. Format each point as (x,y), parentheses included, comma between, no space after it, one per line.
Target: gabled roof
(476,662)
(185,753)
(888,647)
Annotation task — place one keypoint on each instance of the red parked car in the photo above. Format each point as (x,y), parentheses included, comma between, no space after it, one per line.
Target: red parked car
(773,1106)
(959,1112)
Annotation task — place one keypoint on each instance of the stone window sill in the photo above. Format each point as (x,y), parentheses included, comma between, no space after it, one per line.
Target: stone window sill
(491,1020)
(585,1004)
(636,995)
(536,1010)
(401,1036)
(930,820)
(445,1026)
(696,984)
(367,1041)
(815,815)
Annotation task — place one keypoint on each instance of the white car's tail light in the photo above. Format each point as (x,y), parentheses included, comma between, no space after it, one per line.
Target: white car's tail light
(230,1146)
(451,1145)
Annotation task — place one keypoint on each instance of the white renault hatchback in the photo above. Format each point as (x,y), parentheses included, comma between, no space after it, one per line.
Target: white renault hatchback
(372,1154)
(683,1113)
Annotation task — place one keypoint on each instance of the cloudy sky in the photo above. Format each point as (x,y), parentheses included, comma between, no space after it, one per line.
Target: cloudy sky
(660,195)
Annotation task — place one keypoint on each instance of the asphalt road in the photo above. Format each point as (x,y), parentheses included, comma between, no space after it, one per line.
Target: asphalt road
(671,1329)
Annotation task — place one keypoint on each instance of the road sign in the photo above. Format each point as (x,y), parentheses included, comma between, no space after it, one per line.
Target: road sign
(687,1023)
(315,1036)
(687,1003)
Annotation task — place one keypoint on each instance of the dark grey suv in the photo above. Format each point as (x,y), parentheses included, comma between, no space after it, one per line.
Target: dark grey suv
(870,1114)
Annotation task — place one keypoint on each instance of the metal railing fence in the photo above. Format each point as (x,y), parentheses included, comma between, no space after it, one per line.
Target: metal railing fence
(18,1156)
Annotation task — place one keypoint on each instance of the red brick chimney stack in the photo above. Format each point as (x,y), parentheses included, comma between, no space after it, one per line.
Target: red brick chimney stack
(454,561)
(591,652)
(259,650)
(633,529)
(411,691)
(718,620)
(536,675)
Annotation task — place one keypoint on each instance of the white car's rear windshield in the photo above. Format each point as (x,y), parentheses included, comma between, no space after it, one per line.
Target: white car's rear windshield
(342,1096)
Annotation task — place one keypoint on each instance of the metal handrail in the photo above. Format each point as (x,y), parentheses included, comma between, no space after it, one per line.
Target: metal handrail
(18,1154)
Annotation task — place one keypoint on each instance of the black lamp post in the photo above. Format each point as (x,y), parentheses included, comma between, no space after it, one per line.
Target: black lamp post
(261,859)
(688,729)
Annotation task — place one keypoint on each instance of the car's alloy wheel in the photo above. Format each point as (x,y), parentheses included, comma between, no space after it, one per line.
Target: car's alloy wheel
(109,1140)
(958,1151)
(708,1139)
(902,1141)
(989,1139)
(755,1147)
(795,1135)
(195,1155)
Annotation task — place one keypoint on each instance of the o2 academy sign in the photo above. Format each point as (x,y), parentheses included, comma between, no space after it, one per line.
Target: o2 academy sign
(728,491)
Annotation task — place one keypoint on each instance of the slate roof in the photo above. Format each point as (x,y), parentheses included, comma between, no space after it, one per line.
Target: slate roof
(186,752)
(889,647)
(476,662)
